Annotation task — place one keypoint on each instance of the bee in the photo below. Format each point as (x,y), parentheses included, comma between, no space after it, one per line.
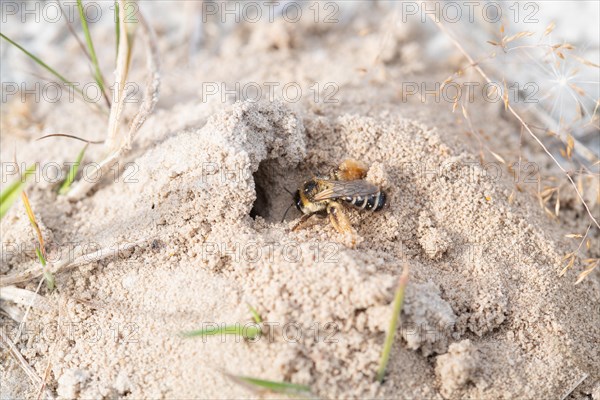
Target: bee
(344,187)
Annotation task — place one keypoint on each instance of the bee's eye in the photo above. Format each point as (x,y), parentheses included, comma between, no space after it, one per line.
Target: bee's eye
(309,187)
(298,200)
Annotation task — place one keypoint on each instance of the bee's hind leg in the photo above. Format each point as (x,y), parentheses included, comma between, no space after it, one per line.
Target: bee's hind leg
(340,222)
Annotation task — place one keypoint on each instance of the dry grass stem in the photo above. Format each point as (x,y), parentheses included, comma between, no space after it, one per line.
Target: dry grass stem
(509,107)
(16,354)
(118,147)
(22,323)
(121,72)
(579,148)
(95,256)
(575,386)
(13,312)
(24,297)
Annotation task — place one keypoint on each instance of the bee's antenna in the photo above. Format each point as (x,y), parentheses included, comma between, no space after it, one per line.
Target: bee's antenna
(287,190)
(290,206)
(286,211)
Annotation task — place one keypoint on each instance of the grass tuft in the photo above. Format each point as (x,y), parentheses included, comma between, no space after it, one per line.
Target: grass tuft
(389,338)
(117,145)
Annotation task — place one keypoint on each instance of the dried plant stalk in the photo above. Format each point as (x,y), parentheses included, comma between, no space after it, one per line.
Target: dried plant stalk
(35,272)
(118,147)
(510,108)
(16,354)
(24,297)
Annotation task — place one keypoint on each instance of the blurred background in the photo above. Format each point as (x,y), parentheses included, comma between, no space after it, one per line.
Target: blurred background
(546,53)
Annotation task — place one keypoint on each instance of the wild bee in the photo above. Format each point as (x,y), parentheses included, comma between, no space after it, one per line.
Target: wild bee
(345,186)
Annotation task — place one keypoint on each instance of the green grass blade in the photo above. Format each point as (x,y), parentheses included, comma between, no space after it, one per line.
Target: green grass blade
(48,277)
(389,338)
(92,51)
(271,386)
(247,332)
(43,64)
(117,27)
(11,193)
(66,185)
(255,314)
(131,33)
(50,282)
(40,256)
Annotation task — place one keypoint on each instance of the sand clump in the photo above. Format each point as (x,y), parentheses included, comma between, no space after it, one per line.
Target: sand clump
(485,315)
(456,368)
(434,241)
(429,320)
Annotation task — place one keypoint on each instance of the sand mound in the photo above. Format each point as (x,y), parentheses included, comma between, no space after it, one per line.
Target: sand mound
(327,306)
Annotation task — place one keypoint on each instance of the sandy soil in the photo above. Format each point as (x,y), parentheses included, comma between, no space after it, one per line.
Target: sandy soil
(485,316)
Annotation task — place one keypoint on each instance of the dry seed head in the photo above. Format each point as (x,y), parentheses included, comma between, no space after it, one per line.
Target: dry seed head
(549,29)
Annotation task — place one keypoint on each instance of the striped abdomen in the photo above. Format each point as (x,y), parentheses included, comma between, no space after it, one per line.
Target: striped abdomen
(373,202)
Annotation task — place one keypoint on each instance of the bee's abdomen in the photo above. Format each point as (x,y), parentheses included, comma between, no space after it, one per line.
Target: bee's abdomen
(374,202)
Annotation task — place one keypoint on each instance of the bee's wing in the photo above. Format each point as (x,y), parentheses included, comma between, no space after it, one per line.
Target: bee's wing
(336,189)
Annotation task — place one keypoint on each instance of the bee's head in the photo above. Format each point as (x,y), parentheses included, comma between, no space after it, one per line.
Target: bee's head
(299,201)
(309,188)
(304,197)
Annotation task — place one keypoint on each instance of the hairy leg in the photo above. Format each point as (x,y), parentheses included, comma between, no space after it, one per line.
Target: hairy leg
(340,221)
